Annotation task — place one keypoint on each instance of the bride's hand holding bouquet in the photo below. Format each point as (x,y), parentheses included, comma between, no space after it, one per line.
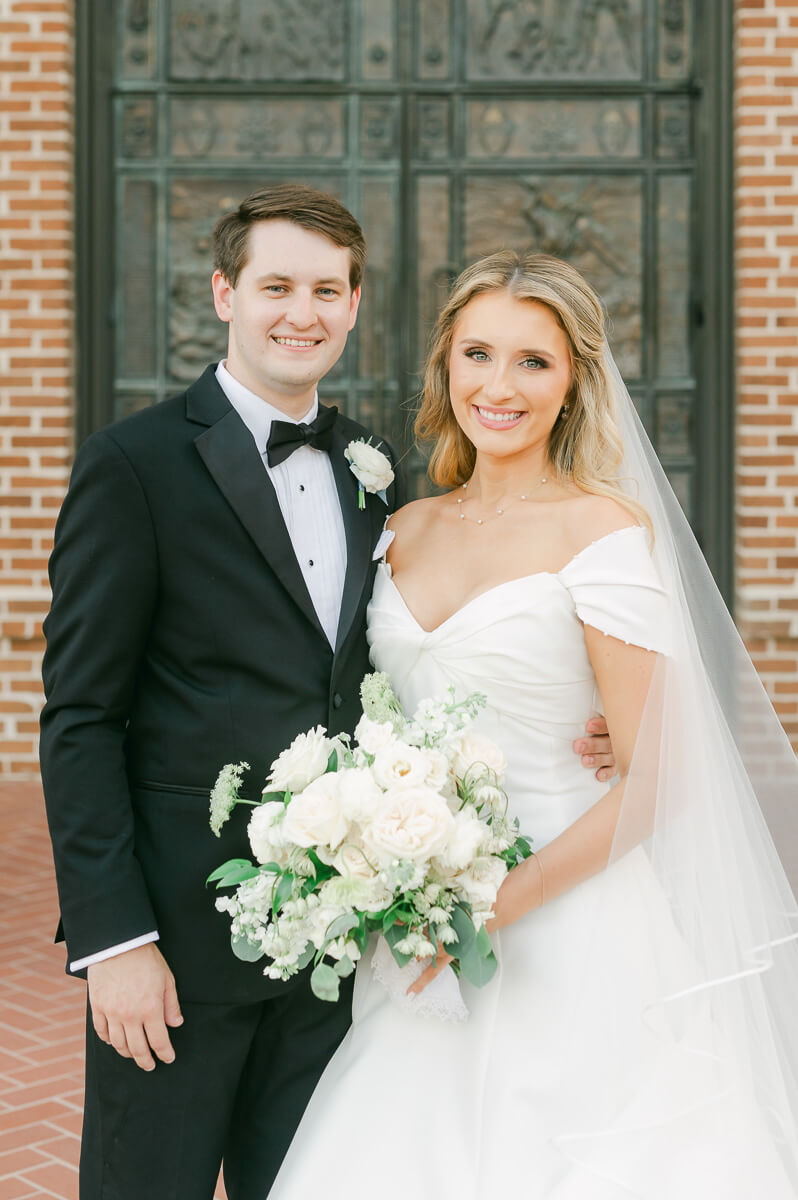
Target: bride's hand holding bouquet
(403,832)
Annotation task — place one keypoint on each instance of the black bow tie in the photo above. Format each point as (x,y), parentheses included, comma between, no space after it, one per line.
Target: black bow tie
(285,437)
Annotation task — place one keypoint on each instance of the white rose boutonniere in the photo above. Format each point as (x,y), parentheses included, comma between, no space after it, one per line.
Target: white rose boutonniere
(371,468)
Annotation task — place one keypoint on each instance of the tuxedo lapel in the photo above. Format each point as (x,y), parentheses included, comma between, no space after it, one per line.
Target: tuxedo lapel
(227,448)
(359,530)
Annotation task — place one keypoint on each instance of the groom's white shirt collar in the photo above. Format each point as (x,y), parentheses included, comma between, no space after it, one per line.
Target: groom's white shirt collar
(257,414)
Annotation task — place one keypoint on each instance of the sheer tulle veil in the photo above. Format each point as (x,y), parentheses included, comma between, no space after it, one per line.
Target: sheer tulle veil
(711,764)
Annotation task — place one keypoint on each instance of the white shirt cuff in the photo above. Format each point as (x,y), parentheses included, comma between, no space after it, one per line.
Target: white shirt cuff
(112,951)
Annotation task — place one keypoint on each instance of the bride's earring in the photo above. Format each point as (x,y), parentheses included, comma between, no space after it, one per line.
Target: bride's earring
(563,412)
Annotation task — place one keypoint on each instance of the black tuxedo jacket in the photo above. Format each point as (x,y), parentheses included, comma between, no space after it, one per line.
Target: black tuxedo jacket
(182,637)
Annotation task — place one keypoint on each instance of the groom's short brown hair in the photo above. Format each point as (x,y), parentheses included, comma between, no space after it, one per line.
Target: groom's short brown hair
(294,202)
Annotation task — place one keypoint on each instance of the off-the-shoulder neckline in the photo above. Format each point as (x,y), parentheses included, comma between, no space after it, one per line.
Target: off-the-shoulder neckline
(505,583)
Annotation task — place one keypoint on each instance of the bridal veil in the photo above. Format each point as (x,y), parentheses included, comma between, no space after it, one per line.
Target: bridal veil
(711,764)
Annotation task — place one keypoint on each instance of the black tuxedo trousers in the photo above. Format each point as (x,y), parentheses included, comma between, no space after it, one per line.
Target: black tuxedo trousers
(181,637)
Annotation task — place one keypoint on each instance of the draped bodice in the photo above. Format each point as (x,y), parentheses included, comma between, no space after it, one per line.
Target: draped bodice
(522,643)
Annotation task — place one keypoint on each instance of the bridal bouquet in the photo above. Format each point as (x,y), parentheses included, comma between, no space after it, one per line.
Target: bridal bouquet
(403,831)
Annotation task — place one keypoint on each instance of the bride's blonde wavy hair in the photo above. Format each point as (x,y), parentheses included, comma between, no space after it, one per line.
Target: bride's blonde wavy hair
(585,445)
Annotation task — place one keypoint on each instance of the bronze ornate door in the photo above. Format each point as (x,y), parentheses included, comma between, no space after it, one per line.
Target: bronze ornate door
(591,129)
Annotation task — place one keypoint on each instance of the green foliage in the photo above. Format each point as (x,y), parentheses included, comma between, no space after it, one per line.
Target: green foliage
(341,925)
(324,982)
(235,870)
(393,935)
(244,949)
(283,891)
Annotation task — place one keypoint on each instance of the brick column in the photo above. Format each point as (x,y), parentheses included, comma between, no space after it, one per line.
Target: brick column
(36,335)
(766,123)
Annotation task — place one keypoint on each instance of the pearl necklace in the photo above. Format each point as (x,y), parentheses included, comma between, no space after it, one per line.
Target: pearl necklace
(499,511)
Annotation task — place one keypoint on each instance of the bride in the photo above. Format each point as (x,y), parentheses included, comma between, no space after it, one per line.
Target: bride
(639,1037)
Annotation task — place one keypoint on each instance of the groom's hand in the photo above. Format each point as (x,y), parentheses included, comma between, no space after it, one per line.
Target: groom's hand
(133,999)
(595,749)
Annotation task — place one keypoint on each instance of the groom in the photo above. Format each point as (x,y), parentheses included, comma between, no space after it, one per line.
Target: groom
(210,577)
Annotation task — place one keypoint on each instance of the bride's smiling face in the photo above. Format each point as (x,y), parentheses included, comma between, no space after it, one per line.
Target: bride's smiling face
(509,373)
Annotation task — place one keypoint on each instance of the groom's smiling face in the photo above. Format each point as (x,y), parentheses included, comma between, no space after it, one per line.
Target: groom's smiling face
(289,313)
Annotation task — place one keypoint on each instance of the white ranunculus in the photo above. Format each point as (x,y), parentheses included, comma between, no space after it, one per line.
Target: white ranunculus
(370,466)
(480,882)
(304,760)
(463,842)
(351,859)
(360,795)
(316,814)
(473,751)
(413,824)
(372,736)
(266,834)
(399,765)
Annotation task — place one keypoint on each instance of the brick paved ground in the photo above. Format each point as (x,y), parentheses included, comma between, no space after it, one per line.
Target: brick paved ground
(41,1015)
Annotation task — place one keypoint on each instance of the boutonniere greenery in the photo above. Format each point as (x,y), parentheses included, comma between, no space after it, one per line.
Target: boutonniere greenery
(371,468)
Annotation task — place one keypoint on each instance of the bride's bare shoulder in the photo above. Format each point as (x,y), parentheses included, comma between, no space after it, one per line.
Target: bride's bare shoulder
(415,517)
(586,518)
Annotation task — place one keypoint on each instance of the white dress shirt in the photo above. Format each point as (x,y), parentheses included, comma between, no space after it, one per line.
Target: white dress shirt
(308,499)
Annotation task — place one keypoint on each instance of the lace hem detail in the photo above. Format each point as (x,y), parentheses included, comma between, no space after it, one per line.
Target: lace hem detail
(441,999)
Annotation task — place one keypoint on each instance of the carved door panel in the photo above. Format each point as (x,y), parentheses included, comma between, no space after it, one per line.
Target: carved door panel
(451,128)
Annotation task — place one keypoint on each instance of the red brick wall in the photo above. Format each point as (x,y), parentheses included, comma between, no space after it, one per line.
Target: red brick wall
(766,193)
(36,304)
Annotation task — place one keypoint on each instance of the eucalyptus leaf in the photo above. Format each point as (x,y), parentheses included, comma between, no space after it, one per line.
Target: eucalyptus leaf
(324,983)
(341,925)
(239,875)
(307,956)
(344,967)
(332,762)
(230,865)
(361,934)
(483,943)
(245,950)
(478,969)
(464,928)
(393,935)
(523,847)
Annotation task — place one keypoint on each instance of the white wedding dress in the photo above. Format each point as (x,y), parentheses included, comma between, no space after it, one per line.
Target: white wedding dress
(511,1102)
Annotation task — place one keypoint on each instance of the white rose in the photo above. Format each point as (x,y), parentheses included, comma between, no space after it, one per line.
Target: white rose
(472,751)
(351,859)
(399,765)
(360,795)
(304,760)
(266,834)
(480,882)
(438,770)
(316,815)
(413,824)
(371,736)
(370,466)
(464,841)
